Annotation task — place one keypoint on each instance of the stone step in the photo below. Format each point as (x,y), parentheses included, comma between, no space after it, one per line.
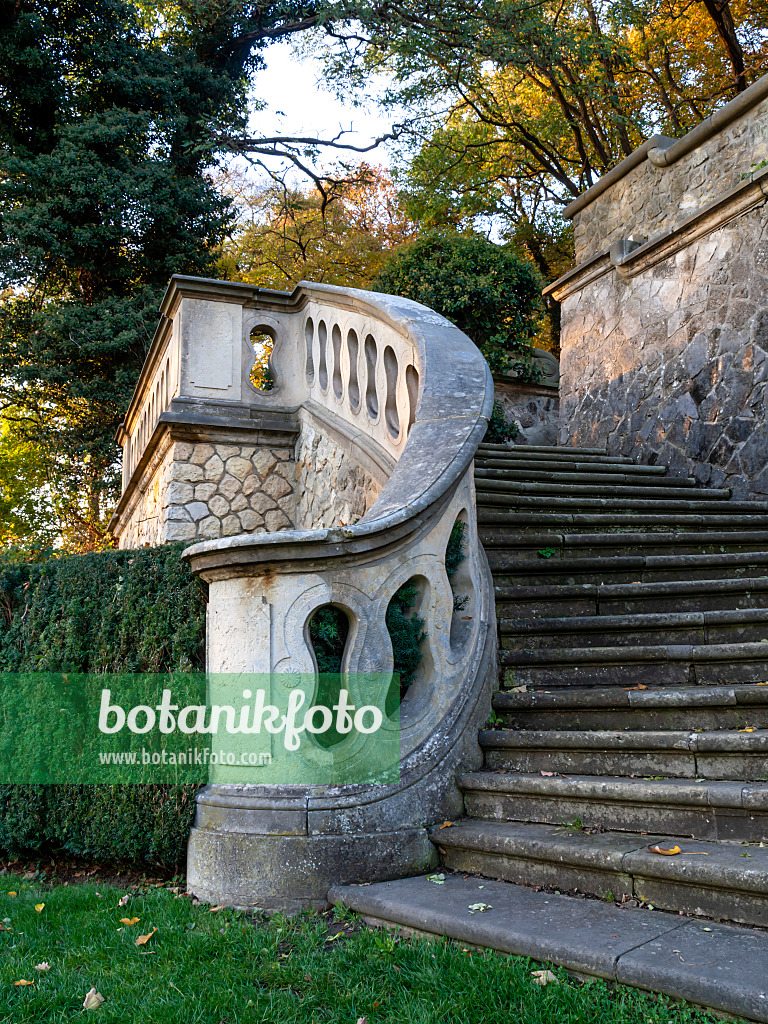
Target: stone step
(668,753)
(562,599)
(547,449)
(707,627)
(710,809)
(660,490)
(655,665)
(721,966)
(532,466)
(508,570)
(551,546)
(707,708)
(585,479)
(569,502)
(618,523)
(721,880)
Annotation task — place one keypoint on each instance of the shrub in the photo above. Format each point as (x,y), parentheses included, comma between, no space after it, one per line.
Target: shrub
(500,429)
(483,288)
(114,611)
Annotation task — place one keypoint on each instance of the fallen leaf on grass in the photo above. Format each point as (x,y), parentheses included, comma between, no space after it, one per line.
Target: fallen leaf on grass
(23,982)
(44,966)
(39,907)
(671,852)
(129,920)
(544,978)
(446,824)
(123,900)
(362,1020)
(437,879)
(93,1000)
(144,939)
(215,910)
(482,907)
(12,892)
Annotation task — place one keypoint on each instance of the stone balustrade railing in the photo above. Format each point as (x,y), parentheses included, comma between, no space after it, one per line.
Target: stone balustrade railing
(337,486)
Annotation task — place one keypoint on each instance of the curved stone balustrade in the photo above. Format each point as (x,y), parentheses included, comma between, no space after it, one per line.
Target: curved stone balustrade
(385,402)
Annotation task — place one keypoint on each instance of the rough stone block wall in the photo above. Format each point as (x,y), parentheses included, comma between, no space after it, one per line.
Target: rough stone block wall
(202,491)
(672,365)
(332,488)
(649,199)
(667,360)
(533,409)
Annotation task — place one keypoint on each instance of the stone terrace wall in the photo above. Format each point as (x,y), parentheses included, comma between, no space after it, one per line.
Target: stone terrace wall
(332,488)
(201,491)
(665,346)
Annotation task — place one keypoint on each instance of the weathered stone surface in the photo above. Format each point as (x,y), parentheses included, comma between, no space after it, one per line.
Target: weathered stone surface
(332,489)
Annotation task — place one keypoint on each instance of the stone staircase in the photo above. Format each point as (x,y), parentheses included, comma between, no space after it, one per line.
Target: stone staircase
(633,709)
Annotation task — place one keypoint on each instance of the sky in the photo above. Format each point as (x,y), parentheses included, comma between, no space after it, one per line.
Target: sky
(298,103)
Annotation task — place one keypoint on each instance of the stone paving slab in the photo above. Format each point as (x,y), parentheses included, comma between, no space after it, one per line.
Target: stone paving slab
(721,966)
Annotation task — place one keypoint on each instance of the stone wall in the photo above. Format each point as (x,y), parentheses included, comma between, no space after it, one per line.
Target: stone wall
(532,407)
(650,199)
(332,489)
(199,491)
(665,346)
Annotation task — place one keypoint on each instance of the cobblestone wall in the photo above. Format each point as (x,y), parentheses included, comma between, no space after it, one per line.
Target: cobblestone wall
(201,491)
(332,489)
(533,408)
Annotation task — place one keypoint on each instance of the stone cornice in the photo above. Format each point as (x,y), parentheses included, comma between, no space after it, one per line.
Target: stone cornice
(628,257)
(663,151)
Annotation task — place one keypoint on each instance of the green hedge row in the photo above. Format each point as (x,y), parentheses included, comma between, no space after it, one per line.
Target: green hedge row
(115,611)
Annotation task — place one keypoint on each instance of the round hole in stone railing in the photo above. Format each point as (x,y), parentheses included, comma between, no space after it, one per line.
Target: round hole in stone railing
(460,579)
(371,398)
(412,661)
(322,370)
(263,343)
(338,384)
(390,404)
(328,631)
(309,336)
(353,385)
(412,385)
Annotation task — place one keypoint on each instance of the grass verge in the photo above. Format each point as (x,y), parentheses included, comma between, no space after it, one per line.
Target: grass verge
(204,965)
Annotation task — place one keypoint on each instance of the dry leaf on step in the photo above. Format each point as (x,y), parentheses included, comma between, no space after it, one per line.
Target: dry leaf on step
(671,852)
(93,1000)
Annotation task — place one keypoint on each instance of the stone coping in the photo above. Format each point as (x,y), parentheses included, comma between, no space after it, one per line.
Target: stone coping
(662,151)
(629,257)
(455,404)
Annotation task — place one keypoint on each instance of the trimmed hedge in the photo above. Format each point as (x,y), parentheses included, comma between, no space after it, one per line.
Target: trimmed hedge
(114,611)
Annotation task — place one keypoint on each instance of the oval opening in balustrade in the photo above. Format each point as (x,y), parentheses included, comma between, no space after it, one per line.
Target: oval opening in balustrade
(263,343)
(353,386)
(460,579)
(338,384)
(322,370)
(328,630)
(371,398)
(391,414)
(309,335)
(406,631)
(412,384)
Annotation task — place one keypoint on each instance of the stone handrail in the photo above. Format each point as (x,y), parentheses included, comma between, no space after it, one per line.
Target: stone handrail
(388,397)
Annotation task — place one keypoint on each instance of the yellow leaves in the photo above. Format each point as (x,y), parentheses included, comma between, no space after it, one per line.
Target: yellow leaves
(446,824)
(144,939)
(12,892)
(671,852)
(93,1000)
(129,920)
(22,982)
(749,728)
(39,907)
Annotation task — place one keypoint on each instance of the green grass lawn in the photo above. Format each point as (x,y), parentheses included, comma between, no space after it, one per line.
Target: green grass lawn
(224,967)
